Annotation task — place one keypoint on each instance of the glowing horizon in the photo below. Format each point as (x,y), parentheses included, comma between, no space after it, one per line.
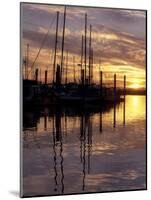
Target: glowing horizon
(119,43)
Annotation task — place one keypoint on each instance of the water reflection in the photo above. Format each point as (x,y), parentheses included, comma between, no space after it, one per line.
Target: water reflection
(85,144)
(124,106)
(114,118)
(77,145)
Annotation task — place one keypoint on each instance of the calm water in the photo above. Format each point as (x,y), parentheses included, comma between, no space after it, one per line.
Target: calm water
(67,151)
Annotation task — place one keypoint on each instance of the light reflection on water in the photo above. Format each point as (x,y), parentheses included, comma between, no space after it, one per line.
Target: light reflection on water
(75,151)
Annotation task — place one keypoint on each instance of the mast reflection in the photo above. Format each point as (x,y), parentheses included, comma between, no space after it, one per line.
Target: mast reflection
(56,121)
(85,144)
(57,142)
(101,127)
(124,110)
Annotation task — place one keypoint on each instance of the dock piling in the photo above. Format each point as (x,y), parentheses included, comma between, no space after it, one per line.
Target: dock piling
(101,82)
(36,75)
(114,117)
(46,76)
(114,87)
(124,104)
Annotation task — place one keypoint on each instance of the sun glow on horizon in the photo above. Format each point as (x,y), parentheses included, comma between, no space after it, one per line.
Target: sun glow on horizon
(136,86)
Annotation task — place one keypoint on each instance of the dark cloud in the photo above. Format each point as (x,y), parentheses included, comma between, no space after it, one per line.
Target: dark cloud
(124,48)
(118,36)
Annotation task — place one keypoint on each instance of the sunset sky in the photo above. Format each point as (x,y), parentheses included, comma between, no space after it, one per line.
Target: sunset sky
(118,40)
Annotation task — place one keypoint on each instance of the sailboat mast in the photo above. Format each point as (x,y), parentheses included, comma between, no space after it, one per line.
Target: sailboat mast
(81,55)
(64,23)
(27,59)
(25,65)
(92,61)
(85,44)
(90,56)
(27,62)
(56,41)
(66,69)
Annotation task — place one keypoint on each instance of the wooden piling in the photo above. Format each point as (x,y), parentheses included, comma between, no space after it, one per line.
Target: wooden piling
(45,76)
(25,65)
(124,106)
(36,75)
(74,73)
(124,118)
(45,122)
(124,86)
(40,75)
(114,117)
(82,76)
(58,77)
(114,86)
(101,82)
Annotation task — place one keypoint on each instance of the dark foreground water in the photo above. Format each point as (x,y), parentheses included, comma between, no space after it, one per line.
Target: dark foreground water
(78,150)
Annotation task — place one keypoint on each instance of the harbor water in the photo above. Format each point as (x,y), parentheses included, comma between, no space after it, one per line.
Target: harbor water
(78,150)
